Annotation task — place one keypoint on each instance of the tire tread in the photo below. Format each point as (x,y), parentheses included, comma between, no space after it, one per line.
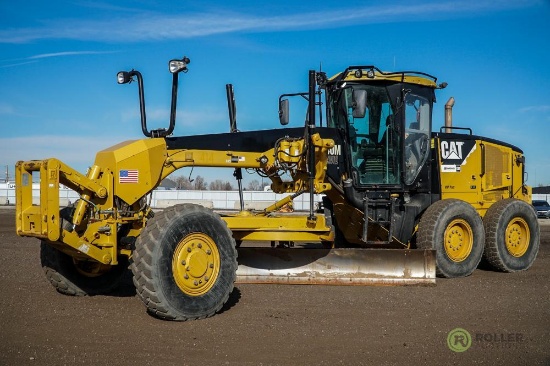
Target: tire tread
(148,289)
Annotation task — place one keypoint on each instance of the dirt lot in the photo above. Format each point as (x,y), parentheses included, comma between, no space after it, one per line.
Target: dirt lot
(507,316)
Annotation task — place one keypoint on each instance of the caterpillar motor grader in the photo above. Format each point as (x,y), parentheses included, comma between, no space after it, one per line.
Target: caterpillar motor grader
(401,204)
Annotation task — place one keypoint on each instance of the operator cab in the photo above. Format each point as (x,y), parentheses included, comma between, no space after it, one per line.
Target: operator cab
(385,121)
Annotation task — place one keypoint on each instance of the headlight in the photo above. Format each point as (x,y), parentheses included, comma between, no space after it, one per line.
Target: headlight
(176,66)
(123,77)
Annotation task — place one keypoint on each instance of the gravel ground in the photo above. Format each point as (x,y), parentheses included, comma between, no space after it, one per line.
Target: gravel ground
(507,316)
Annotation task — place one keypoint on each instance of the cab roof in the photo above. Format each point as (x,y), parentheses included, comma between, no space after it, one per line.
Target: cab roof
(372,73)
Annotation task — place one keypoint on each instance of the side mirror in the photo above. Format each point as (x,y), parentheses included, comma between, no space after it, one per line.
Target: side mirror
(359,103)
(284,112)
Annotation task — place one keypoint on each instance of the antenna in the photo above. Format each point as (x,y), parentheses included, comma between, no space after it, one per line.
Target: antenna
(232,109)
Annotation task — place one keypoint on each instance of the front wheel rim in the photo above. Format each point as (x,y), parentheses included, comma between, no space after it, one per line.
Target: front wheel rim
(91,269)
(458,240)
(196,264)
(517,237)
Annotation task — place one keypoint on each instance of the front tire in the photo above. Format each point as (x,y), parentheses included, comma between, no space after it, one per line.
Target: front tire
(512,235)
(185,263)
(74,277)
(455,230)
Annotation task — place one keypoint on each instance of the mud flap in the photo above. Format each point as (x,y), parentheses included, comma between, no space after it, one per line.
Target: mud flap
(336,266)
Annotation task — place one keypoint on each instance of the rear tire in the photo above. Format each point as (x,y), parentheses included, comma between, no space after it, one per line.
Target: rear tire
(185,263)
(80,278)
(455,230)
(512,235)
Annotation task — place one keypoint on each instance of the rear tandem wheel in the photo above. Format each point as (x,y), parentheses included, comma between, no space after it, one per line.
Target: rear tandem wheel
(512,235)
(184,263)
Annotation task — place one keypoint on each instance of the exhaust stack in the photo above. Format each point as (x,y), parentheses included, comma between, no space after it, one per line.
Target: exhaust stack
(449,114)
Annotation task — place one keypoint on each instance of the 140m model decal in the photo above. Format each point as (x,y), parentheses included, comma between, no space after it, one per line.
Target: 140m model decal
(334,153)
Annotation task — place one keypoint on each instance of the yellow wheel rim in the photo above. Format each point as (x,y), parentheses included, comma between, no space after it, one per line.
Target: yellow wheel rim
(196,264)
(91,268)
(459,240)
(518,237)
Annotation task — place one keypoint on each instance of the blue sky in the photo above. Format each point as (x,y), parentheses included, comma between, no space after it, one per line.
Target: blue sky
(59,59)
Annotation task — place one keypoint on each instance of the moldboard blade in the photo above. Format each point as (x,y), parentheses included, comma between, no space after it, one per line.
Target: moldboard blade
(336,266)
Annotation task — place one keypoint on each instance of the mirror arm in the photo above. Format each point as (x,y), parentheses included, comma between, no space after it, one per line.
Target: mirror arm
(173,106)
(139,78)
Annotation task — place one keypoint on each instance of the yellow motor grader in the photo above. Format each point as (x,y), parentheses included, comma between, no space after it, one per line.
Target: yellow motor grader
(401,204)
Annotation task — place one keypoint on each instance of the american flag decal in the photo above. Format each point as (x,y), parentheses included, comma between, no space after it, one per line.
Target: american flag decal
(128,176)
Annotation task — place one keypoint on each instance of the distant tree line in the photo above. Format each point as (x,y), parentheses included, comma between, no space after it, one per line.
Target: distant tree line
(200,184)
